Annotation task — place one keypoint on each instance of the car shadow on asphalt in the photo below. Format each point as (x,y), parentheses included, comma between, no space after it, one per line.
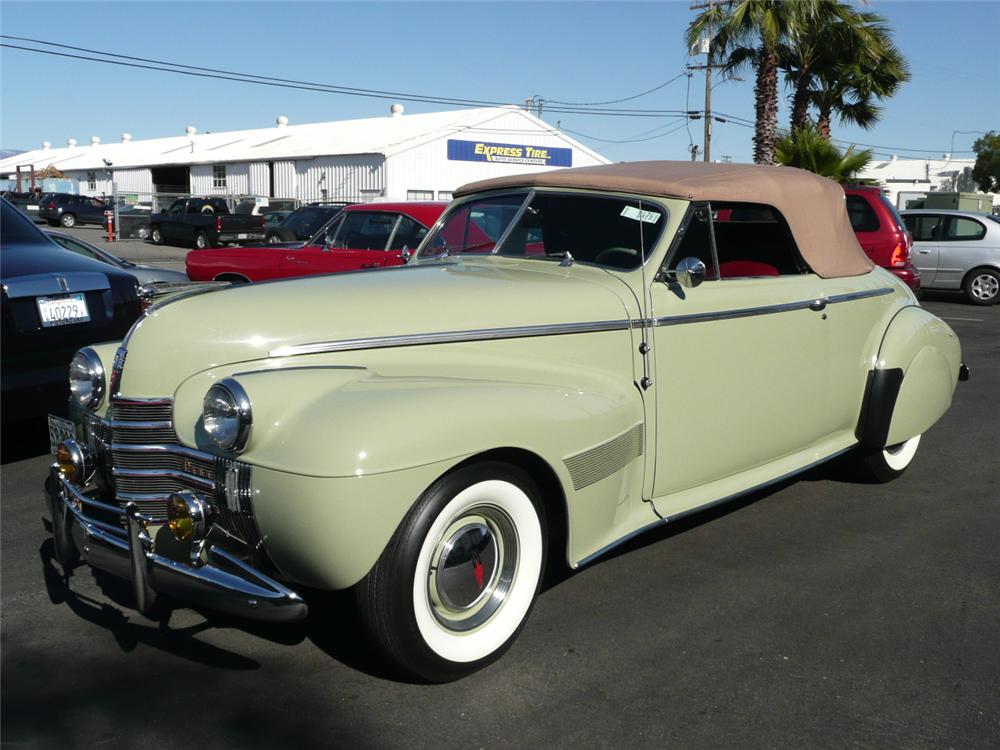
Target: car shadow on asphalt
(332,626)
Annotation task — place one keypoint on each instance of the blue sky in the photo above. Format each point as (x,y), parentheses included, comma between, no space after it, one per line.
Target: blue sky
(499,51)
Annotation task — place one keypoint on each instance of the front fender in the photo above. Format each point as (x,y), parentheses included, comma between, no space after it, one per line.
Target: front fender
(350,421)
(914,378)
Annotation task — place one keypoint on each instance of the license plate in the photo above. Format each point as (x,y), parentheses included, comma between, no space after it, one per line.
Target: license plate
(241,236)
(59,430)
(60,311)
(32,208)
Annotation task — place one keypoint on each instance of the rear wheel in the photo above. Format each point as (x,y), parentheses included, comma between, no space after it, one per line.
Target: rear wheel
(982,286)
(232,278)
(156,236)
(885,464)
(142,232)
(201,241)
(68,220)
(455,584)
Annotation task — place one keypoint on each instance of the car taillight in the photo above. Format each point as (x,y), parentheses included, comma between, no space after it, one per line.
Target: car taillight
(263,223)
(900,255)
(51,206)
(218,223)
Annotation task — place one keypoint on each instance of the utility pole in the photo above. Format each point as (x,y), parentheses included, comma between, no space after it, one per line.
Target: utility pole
(708,75)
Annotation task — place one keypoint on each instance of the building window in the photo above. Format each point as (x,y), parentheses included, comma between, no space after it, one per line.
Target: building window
(419,195)
(444,195)
(91,180)
(219,176)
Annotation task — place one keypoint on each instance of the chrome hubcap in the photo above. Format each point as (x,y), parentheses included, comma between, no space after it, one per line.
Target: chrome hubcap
(472,569)
(985,286)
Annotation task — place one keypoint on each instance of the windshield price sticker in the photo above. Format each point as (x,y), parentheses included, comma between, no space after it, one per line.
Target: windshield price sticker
(60,311)
(649,217)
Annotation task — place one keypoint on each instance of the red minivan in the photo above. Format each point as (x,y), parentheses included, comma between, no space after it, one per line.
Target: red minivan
(881,232)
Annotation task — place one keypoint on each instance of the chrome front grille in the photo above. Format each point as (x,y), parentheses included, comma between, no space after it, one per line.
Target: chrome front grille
(145,464)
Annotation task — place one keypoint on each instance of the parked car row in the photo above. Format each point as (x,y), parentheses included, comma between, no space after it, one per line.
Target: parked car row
(569,358)
(204,222)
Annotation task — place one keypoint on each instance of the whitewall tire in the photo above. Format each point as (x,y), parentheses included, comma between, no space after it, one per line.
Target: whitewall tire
(885,464)
(456,583)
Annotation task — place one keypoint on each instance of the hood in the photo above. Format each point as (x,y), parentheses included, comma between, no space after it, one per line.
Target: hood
(246,323)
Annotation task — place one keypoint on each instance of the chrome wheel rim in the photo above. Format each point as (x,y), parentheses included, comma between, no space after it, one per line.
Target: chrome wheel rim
(985,286)
(472,568)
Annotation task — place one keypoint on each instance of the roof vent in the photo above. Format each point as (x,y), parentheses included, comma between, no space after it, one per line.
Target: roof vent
(946,157)
(396,110)
(126,137)
(281,121)
(71,143)
(190,130)
(893,157)
(95,140)
(46,145)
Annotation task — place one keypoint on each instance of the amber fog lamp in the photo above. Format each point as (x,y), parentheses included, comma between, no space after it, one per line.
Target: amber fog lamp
(75,462)
(187,517)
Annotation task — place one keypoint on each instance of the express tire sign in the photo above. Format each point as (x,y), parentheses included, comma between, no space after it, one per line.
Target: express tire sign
(509,153)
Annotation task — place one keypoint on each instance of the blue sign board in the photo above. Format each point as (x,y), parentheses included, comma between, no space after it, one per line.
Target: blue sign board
(509,153)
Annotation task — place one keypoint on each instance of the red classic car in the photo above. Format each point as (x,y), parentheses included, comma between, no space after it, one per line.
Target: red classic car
(361,236)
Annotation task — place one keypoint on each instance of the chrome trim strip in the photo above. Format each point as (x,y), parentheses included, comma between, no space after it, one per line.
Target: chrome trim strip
(747,312)
(451,337)
(178,450)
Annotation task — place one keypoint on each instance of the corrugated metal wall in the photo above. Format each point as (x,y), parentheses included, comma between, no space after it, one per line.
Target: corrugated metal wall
(284,179)
(259,179)
(237,180)
(359,177)
(134,180)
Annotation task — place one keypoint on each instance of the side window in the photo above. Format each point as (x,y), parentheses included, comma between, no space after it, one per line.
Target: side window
(75,247)
(959,228)
(862,215)
(176,210)
(750,240)
(475,227)
(408,233)
(922,226)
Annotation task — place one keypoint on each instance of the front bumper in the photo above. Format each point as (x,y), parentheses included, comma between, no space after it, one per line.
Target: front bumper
(210,577)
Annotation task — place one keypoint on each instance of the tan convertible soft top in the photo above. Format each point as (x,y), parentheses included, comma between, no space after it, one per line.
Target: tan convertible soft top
(813,206)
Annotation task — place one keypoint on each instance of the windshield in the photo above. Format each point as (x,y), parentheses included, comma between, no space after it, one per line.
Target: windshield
(607,231)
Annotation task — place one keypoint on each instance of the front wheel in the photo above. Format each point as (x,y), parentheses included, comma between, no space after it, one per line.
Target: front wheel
(156,236)
(885,464)
(982,286)
(456,582)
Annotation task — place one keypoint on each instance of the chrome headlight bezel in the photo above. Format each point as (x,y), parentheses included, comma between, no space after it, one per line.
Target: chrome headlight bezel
(90,366)
(226,415)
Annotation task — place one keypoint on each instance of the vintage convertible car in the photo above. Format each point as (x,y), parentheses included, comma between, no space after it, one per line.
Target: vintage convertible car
(571,357)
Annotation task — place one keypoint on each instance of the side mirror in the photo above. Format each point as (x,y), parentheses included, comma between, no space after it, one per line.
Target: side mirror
(690,272)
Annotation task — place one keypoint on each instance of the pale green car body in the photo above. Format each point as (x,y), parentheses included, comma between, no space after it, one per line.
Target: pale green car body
(541,364)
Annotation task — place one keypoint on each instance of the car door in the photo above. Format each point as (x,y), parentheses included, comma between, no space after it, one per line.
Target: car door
(740,362)
(926,231)
(171,221)
(960,249)
(357,241)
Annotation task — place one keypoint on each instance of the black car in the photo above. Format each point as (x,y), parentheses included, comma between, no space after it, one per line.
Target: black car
(26,202)
(303,223)
(70,210)
(54,303)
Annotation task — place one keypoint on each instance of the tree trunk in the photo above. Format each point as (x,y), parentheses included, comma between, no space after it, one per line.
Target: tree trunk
(800,102)
(825,115)
(766,128)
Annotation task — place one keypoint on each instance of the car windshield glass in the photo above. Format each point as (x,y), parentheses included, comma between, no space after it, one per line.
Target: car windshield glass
(305,221)
(473,227)
(895,214)
(18,229)
(607,231)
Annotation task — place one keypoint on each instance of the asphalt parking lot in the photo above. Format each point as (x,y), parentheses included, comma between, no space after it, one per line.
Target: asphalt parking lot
(817,614)
(135,250)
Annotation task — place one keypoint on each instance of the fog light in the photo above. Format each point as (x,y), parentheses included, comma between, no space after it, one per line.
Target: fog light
(188,517)
(75,462)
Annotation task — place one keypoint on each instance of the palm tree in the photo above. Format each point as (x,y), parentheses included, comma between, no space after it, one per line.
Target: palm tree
(850,89)
(806,148)
(750,33)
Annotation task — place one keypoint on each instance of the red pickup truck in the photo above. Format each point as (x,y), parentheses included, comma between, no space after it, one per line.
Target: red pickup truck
(367,235)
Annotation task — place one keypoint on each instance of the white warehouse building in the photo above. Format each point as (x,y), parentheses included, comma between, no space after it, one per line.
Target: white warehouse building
(395,157)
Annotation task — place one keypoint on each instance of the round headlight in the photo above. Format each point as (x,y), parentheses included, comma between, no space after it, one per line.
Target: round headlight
(226,415)
(86,378)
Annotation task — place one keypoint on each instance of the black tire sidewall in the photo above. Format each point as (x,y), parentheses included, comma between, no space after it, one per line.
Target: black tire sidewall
(396,569)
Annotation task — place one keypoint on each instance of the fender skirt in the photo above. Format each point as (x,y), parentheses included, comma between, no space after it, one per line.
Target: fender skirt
(881,391)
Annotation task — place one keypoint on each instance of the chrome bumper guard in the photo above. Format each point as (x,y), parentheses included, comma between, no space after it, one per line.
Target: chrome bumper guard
(222,583)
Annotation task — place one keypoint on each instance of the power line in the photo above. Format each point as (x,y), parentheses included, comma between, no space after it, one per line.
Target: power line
(626,140)
(616,101)
(897,148)
(218,74)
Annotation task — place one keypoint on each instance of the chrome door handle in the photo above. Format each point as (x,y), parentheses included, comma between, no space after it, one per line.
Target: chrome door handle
(293,259)
(924,252)
(817,305)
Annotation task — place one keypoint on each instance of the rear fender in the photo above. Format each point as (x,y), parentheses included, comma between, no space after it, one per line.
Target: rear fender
(913,380)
